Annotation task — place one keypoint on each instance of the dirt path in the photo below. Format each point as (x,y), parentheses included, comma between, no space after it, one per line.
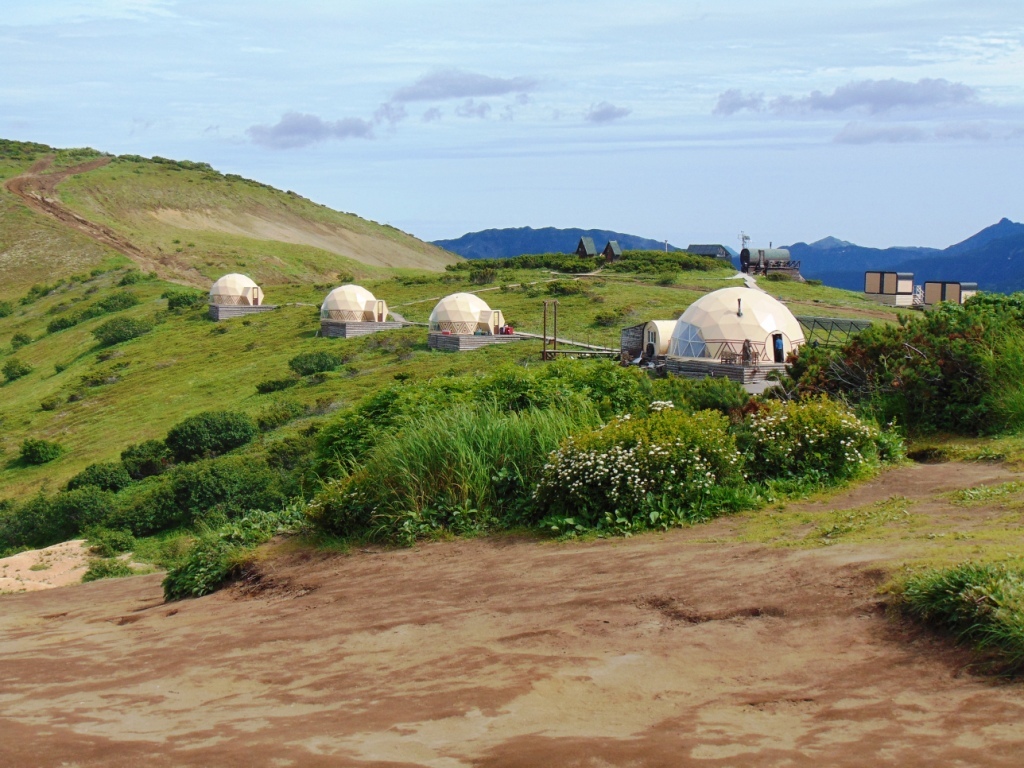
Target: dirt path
(37,188)
(663,650)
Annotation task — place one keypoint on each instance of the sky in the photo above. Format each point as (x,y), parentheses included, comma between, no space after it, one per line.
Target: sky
(881,122)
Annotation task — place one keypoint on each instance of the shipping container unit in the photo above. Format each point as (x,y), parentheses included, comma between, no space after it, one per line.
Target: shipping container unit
(893,288)
(936,291)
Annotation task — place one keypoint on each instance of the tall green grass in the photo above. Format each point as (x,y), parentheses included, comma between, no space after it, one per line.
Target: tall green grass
(982,604)
(468,469)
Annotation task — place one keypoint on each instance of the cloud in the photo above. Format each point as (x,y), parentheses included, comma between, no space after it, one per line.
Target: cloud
(389,113)
(605,113)
(471,109)
(431,115)
(871,96)
(962,131)
(861,133)
(734,100)
(456,84)
(295,130)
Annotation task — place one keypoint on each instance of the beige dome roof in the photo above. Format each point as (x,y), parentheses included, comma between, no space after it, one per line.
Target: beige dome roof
(464,313)
(352,303)
(236,289)
(733,315)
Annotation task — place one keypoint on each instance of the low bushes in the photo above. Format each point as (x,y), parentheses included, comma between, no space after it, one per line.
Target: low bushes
(816,440)
(219,553)
(638,473)
(121,329)
(15,369)
(275,385)
(107,476)
(107,568)
(979,604)
(177,300)
(209,434)
(114,302)
(308,363)
(151,457)
(37,452)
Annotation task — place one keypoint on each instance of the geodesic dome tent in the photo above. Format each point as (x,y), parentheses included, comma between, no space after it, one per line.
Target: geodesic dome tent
(353,304)
(718,324)
(465,313)
(236,290)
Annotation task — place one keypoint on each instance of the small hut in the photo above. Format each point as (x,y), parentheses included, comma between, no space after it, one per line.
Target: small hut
(740,332)
(464,321)
(714,250)
(586,248)
(351,310)
(936,291)
(235,295)
(893,288)
(612,251)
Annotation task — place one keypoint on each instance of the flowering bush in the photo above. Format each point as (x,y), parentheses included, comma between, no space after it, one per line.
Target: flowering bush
(817,439)
(638,473)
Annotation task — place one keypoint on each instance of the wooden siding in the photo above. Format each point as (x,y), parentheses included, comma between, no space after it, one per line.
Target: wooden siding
(337,329)
(224,312)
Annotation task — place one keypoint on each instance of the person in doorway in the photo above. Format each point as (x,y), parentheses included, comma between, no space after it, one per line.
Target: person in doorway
(780,349)
(748,352)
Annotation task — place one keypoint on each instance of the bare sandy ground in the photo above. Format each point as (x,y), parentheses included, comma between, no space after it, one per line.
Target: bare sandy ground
(680,649)
(56,566)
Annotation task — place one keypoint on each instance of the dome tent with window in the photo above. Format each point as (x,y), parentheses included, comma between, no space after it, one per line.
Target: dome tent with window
(351,310)
(234,295)
(464,321)
(731,332)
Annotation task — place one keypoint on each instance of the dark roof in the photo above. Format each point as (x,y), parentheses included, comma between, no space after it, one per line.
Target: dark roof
(614,245)
(708,249)
(587,244)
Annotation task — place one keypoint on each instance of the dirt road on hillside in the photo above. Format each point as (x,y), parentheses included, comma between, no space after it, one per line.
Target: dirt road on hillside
(37,188)
(681,649)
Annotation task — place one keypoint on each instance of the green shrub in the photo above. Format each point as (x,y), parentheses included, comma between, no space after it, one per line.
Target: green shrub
(20,340)
(612,317)
(108,476)
(568,288)
(707,394)
(105,542)
(62,323)
(668,278)
(146,459)
(466,469)
(275,385)
(638,473)
(662,262)
(209,434)
(184,299)
(15,369)
(118,301)
(309,363)
(37,452)
(980,604)
(51,403)
(146,508)
(121,329)
(107,568)
(228,486)
(217,555)
(818,440)
(483,276)
(45,520)
(278,414)
(131,277)
(6,309)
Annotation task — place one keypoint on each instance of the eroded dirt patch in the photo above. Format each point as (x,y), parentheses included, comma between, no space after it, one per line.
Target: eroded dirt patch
(662,650)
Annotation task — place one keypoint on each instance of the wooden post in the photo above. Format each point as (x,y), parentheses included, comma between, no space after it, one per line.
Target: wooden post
(544,334)
(554,341)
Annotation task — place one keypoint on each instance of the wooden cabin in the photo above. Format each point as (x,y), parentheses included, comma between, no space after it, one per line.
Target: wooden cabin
(893,288)
(936,291)
(586,248)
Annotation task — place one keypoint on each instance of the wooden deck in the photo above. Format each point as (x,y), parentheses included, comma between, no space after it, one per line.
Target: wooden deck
(694,368)
(464,343)
(343,329)
(227,311)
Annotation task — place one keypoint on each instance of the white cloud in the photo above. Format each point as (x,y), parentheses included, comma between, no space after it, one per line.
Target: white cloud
(457,84)
(296,130)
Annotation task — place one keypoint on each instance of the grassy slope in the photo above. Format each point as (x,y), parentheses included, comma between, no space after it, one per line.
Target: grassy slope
(226,223)
(33,247)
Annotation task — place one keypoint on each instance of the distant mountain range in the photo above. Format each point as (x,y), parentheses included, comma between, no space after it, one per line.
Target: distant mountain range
(503,243)
(993,258)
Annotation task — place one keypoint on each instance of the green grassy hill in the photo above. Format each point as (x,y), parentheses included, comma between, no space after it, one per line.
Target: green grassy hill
(182,220)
